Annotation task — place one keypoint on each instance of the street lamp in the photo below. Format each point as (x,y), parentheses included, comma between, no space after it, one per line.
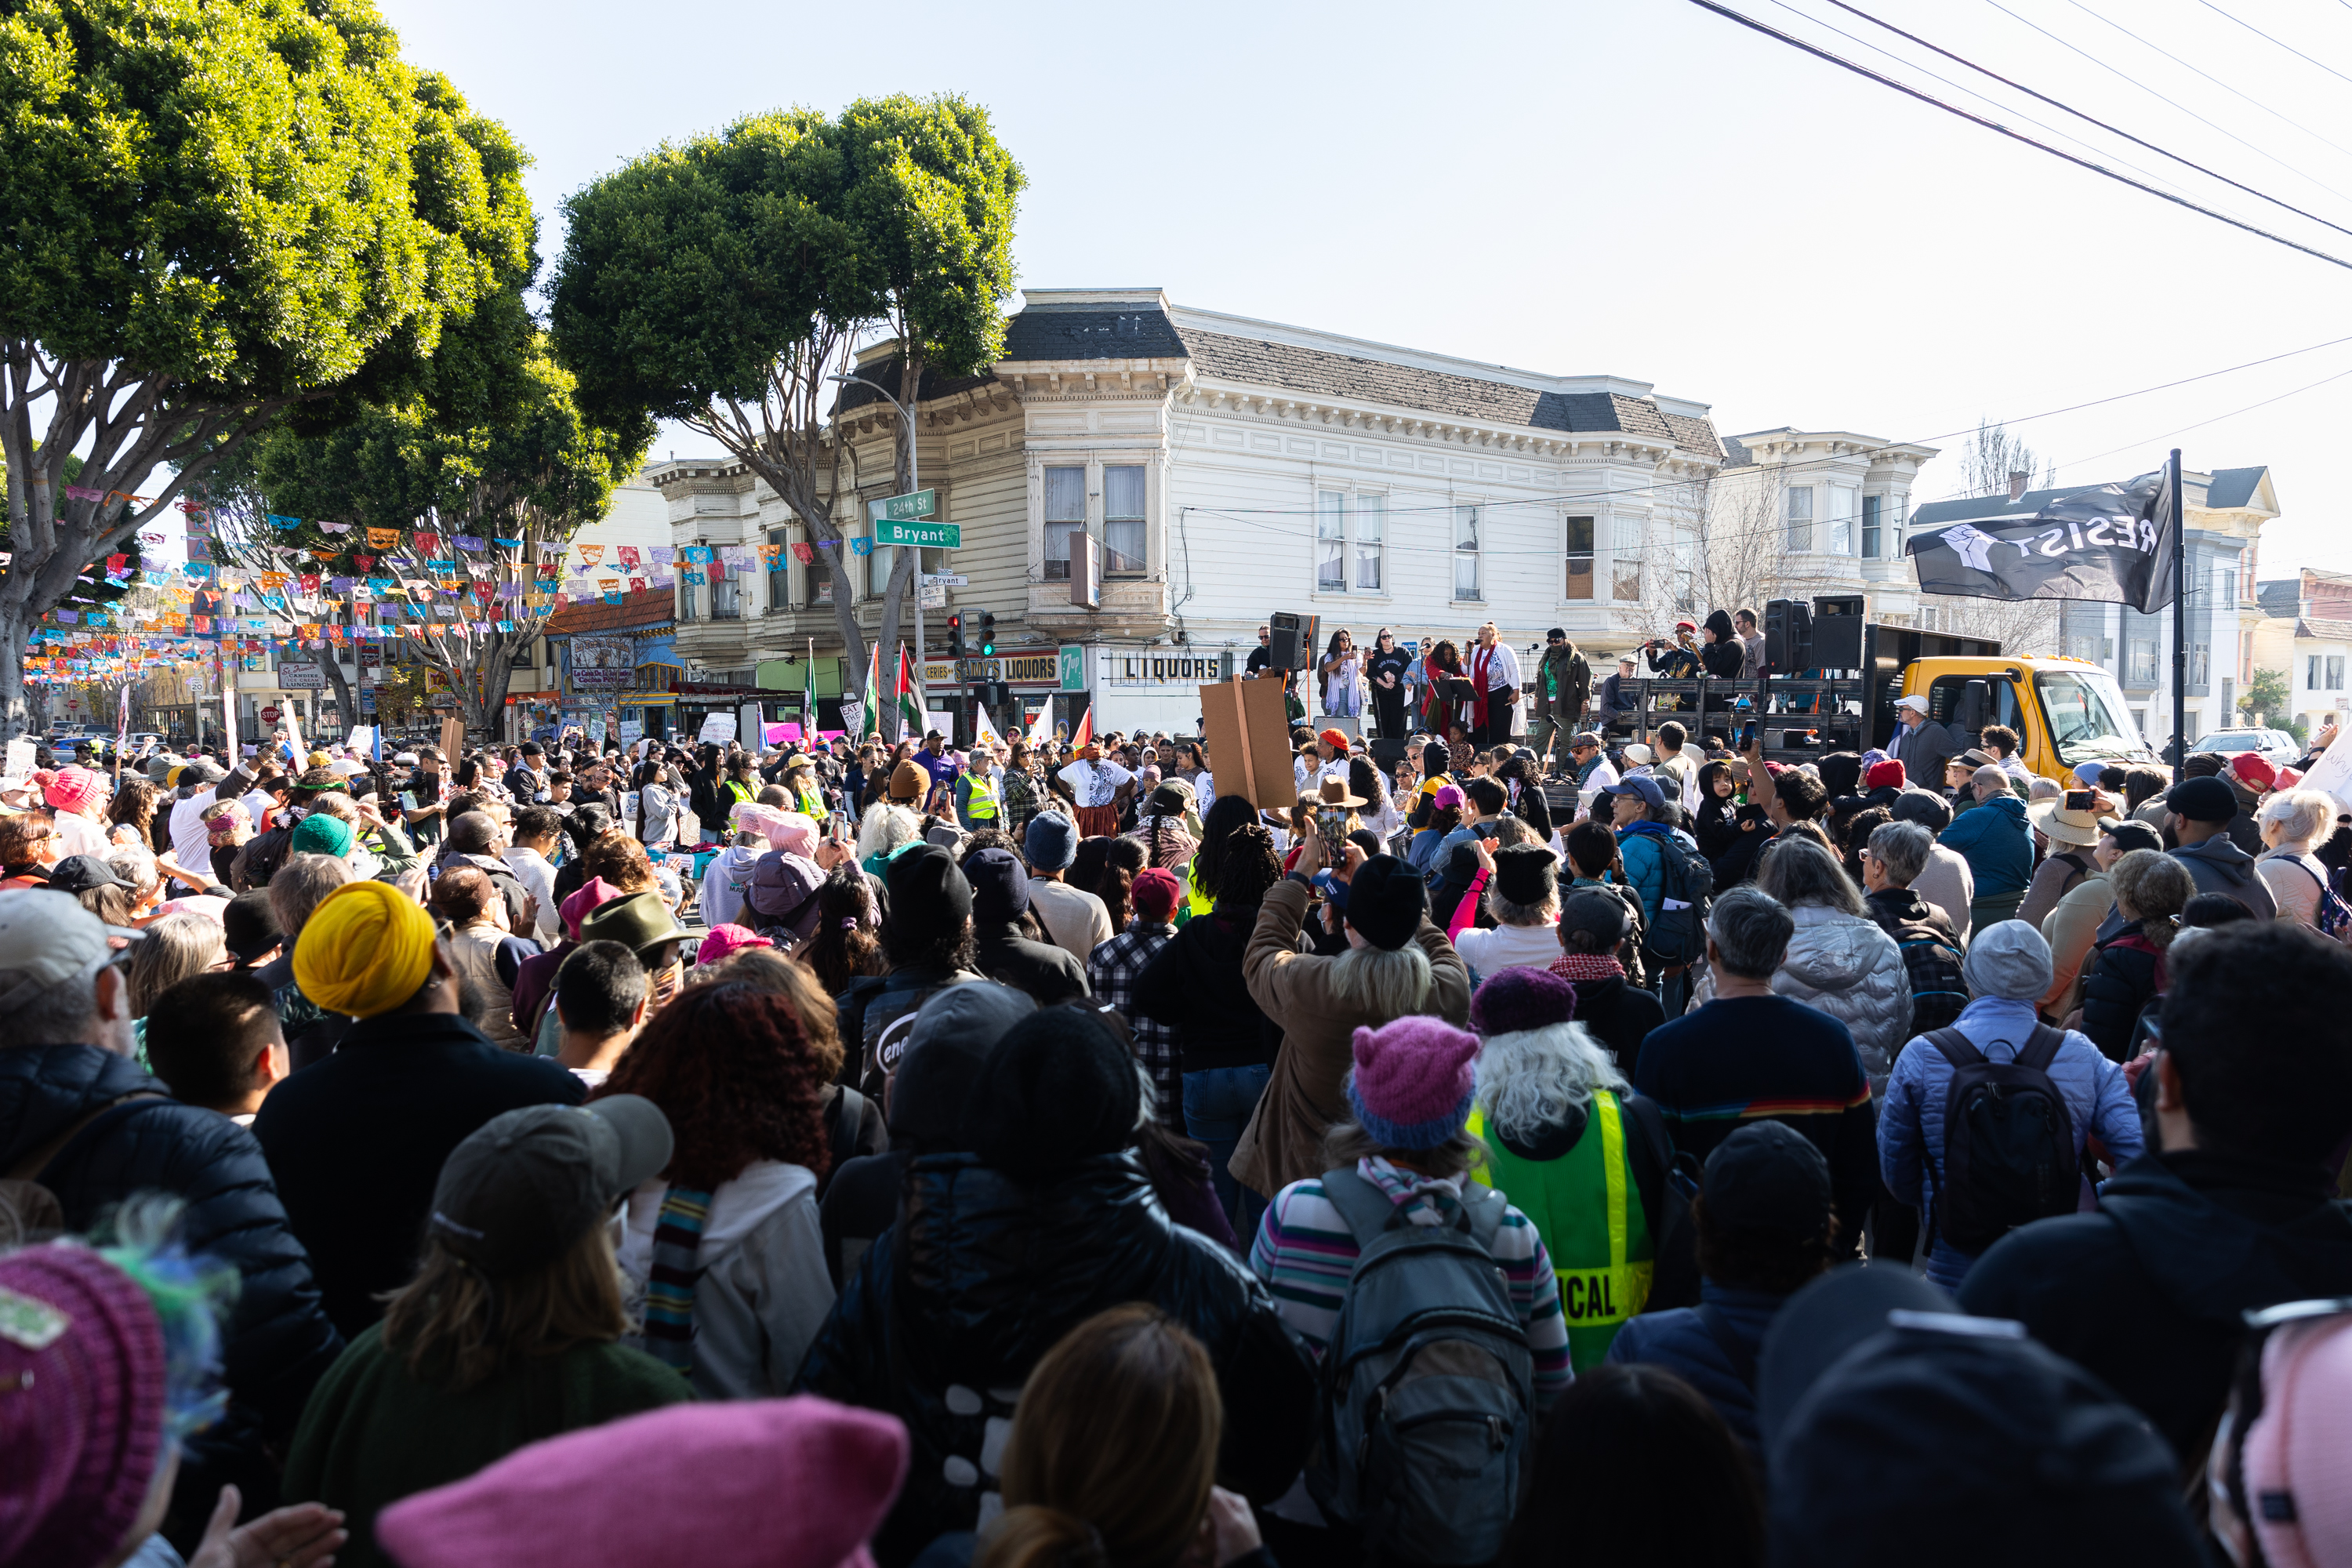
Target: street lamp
(914,482)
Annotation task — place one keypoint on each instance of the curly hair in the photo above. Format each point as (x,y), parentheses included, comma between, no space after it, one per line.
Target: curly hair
(1245,869)
(739,1079)
(620,860)
(134,807)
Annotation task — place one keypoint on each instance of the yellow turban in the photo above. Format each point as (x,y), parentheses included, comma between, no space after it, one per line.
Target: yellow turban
(364,951)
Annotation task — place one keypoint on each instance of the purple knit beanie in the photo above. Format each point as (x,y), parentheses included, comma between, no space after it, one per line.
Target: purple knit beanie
(1411,1088)
(1519,998)
(81,1424)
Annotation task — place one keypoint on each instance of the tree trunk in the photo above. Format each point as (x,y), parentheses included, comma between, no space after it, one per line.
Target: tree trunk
(16,715)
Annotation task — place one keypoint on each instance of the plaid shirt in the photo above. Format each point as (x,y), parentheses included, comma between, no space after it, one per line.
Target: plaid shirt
(1023,796)
(1111,971)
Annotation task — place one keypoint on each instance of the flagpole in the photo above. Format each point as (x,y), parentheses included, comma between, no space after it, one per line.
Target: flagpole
(2179,621)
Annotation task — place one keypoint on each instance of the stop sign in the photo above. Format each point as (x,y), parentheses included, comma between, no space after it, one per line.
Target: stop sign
(269,715)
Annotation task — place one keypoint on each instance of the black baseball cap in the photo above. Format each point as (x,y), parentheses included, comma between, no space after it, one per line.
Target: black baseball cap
(1768,1176)
(526,1185)
(80,873)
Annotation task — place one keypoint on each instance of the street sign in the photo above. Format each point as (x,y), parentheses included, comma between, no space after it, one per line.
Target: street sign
(927,535)
(934,598)
(270,715)
(904,508)
(946,580)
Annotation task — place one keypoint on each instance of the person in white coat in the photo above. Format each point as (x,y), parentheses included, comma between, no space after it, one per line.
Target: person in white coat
(1838,961)
(722,1252)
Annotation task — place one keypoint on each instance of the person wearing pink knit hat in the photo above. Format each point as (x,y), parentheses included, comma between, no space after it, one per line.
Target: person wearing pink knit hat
(77,797)
(1408,1148)
(763,1483)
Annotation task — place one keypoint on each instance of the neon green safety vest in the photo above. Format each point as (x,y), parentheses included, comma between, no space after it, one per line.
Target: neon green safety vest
(1586,1209)
(979,802)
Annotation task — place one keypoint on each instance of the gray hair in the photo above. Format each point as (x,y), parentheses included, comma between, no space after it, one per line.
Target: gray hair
(1384,984)
(65,1013)
(1798,871)
(301,884)
(1903,850)
(135,865)
(885,828)
(2042,789)
(1750,930)
(2301,814)
(1528,1081)
(176,947)
(1511,914)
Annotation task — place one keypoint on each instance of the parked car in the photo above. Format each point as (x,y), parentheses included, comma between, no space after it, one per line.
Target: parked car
(2276,746)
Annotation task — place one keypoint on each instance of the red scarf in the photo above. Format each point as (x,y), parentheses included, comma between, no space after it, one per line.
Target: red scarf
(1481,661)
(1575,967)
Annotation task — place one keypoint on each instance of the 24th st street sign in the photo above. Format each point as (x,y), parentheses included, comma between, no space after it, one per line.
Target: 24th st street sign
(895,523)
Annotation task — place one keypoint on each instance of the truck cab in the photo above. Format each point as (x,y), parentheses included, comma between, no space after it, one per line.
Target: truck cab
(2066,712)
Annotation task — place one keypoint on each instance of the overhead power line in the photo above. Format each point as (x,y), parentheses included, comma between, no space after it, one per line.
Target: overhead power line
(2091,119)
(2281,42)
(1993,125)
(2209,76)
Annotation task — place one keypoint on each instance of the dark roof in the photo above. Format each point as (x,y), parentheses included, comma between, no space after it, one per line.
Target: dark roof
(885,374)
(2326,631)
(1321,372)
(634,613)
(2233,487)
(1734,455)
(2279,596)
(1045,333)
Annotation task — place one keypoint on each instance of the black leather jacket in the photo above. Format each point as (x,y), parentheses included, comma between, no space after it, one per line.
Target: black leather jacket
(279,1340)
(951,1308)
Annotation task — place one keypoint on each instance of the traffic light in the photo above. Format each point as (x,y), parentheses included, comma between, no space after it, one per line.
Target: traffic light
(955,636)
(988,634)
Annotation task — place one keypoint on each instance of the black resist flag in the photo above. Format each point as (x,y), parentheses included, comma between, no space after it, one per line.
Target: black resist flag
(2110,543)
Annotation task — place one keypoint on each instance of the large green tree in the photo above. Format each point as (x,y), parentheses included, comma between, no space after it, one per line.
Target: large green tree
(722,281)
(215,214)
(524,463)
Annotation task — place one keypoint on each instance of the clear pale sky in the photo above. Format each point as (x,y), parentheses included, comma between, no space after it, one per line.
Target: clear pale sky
(1637,187)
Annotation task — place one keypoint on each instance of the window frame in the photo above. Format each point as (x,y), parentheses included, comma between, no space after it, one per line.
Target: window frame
(1469,511)
(1873,508)
(1340,514)
(1069,526)
(1624,558)
(1589,555)
(780,593)
(1843,526)
(1788,520)
(1141,520)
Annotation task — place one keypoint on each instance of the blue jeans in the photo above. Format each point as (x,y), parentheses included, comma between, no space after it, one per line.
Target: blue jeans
(1217,1106)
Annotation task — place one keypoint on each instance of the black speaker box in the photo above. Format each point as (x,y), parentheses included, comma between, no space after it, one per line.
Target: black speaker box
(1290,640)
(1837,631)
(1788,635)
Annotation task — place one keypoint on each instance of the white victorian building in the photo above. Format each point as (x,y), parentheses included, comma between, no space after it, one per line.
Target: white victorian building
(1220,468)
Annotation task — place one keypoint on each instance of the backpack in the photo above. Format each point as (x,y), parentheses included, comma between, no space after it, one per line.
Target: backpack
(1685,890)
(263,855)
(2008,1141)
(1428,1386)
(2334,916)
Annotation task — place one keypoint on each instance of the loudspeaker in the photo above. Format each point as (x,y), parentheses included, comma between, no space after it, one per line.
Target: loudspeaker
(1788,635)
(1290,640)
(1387,754)
(1837,631)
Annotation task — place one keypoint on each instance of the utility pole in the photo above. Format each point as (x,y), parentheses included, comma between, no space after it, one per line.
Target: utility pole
(914,483)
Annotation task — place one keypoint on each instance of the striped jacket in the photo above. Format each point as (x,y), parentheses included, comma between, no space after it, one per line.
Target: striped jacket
(1304,1252)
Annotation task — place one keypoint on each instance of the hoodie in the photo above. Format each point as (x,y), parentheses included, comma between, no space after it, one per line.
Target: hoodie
(762,1290)
(2219,866)
(1845,966)
(2147,1293)
(1727,655)
(1995,842)
(726,880)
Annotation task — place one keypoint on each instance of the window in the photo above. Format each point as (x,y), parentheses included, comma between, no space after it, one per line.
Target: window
(726,599)
(2334,672)
(1066,514)
(1330,542)
(878,562)
(1844,509)
(780,576)
(1371,542)
(1801,518)
(820,574)
(1123,542)
(1465,552)
(2311,666)
(1870,528)
(1626,574)
(686,598)
(2139,664)
(2200,664)
(1927,618)
(1579,559)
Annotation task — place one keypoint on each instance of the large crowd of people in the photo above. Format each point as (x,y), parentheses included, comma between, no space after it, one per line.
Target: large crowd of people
(1040,1156)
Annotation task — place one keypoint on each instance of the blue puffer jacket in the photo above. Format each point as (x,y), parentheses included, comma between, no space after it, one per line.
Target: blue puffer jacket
(1641,847)
(1995,842)
(279,1340)
(1679,1340)
(1911,1114)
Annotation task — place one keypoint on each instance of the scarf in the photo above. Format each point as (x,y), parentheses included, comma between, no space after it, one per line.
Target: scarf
(669,1293)
(1481,662)
(1574,966)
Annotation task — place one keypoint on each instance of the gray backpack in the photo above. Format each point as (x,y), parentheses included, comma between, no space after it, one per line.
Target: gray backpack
(1428,1384)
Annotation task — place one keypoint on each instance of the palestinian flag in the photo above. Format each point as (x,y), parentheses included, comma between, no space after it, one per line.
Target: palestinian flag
(911,706)
(870,723)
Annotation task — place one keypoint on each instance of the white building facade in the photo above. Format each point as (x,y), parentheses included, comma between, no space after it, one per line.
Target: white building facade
(1797,513)
(1224,468)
